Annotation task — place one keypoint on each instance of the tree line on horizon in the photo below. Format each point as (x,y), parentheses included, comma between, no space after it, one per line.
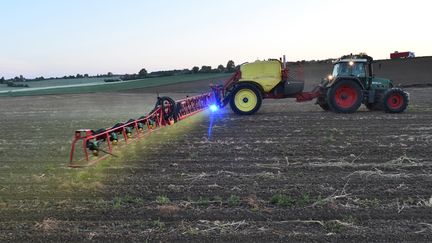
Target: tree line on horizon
(229,68)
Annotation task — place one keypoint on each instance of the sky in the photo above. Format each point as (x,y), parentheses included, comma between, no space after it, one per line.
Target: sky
(56,38)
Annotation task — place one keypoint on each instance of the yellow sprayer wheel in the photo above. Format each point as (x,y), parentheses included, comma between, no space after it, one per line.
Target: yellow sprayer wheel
(246,99)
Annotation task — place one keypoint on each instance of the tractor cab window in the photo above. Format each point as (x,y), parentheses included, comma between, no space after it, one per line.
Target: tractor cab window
(341,69)
(350,69)
(359,70)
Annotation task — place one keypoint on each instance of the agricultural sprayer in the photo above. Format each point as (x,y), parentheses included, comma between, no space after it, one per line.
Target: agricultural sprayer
(166,112)
(351,84)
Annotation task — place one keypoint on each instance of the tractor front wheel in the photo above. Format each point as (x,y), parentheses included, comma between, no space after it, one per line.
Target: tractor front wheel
(245,99)
(395,100)
(345,96)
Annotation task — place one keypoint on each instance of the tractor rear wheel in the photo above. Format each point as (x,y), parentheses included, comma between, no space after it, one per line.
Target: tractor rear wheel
(346,96)
(395,100)
(245,99)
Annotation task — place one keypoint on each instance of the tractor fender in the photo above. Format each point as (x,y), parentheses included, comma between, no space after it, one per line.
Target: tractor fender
(346,78)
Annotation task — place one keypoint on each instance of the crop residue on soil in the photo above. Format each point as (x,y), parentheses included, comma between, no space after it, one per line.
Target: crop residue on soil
(291,172)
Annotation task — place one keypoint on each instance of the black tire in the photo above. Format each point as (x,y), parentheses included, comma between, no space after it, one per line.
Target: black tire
(245,86)
(345,102)
(395,100)
(177,111)
(164,102)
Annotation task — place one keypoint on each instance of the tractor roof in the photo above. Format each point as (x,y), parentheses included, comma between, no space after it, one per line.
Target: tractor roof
(352,60)
(356,58)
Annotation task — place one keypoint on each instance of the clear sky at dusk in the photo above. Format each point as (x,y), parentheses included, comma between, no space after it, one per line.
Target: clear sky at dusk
(55,38)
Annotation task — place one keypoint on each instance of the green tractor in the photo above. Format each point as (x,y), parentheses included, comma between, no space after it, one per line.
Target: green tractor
(353,83)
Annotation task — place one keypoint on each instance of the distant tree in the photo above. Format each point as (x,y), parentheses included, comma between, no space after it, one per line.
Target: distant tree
(79,76)
(127,77)
(195,69)
(2,80)
(221,68)
(206,69)
(230,67)
(39,78)
(86,75)
(19,79)
(109,74)
(142,73)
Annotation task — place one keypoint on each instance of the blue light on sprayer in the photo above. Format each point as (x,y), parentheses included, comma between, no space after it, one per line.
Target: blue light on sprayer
(214,108)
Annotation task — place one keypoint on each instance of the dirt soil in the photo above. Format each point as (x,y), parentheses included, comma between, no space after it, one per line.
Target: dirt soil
(289,173)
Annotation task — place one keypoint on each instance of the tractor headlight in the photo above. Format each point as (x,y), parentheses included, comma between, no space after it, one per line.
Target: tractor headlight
(330,77)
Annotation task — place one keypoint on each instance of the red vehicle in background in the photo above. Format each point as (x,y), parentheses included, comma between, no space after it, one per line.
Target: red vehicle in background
(398,55)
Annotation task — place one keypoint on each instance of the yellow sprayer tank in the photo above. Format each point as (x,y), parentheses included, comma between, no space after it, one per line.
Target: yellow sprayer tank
(266,73)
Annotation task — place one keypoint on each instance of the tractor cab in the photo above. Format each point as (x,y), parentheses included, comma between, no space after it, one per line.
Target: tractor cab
(358,67)
(350,68)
